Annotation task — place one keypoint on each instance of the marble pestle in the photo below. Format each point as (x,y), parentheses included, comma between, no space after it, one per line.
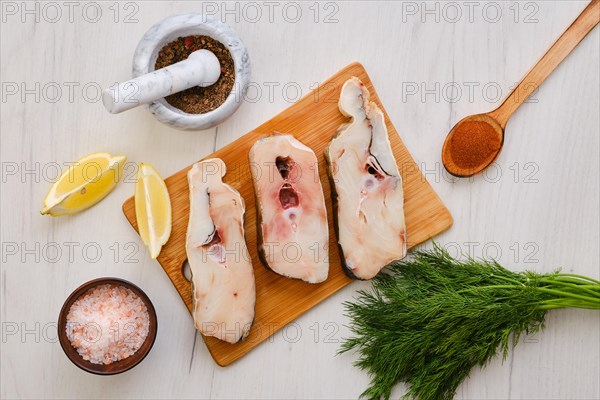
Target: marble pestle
(201,68)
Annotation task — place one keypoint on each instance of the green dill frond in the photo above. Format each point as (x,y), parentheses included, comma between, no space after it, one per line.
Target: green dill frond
(431,318)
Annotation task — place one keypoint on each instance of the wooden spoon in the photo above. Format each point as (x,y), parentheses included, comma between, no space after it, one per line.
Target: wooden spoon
(491,125)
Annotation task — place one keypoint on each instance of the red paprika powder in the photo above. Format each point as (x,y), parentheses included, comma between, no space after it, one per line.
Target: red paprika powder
(472,143)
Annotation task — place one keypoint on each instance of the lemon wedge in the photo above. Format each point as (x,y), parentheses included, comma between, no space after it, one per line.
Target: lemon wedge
(84,184)
(152,209)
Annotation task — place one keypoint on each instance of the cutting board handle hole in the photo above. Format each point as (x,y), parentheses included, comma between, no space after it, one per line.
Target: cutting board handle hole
(186,271)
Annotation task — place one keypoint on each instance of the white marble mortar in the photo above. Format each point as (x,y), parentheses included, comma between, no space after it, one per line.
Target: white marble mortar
(170,29)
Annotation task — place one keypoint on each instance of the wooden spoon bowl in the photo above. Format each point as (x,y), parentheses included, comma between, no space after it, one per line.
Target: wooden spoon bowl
(489,142)
(116,367)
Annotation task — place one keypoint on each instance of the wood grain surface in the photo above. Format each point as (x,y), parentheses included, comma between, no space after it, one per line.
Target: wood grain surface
(313,120)
(537,208)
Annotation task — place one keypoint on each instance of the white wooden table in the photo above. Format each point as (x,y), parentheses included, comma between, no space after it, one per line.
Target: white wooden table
(432,64)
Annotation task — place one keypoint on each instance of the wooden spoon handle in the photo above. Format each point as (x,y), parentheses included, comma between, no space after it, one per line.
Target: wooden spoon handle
(585,22)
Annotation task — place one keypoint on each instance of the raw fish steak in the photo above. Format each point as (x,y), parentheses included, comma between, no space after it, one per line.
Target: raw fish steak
(367,188)
(223,284)
(292,218)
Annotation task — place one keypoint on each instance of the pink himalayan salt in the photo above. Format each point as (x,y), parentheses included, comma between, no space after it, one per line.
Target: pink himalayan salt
(107,324)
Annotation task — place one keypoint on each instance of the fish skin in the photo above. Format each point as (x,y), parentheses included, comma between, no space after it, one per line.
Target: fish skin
(368,203)
(302,225)
(223,284)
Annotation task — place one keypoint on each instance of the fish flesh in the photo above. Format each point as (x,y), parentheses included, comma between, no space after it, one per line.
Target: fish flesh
(223,286)
(366,187)
(292,217)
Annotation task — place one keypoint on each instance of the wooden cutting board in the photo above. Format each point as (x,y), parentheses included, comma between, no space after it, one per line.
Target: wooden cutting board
(313,120)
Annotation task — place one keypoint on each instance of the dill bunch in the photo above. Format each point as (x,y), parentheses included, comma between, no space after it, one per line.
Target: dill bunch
(433,318)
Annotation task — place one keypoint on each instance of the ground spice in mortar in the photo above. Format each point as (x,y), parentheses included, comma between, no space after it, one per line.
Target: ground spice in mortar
(473,143)
(198,100)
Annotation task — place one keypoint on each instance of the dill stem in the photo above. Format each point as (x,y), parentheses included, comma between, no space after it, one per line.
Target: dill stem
(561,293)
(577,282)
(585,278)
(579,288)
(595,289)
(567,294)
(570,303)
(567,303)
